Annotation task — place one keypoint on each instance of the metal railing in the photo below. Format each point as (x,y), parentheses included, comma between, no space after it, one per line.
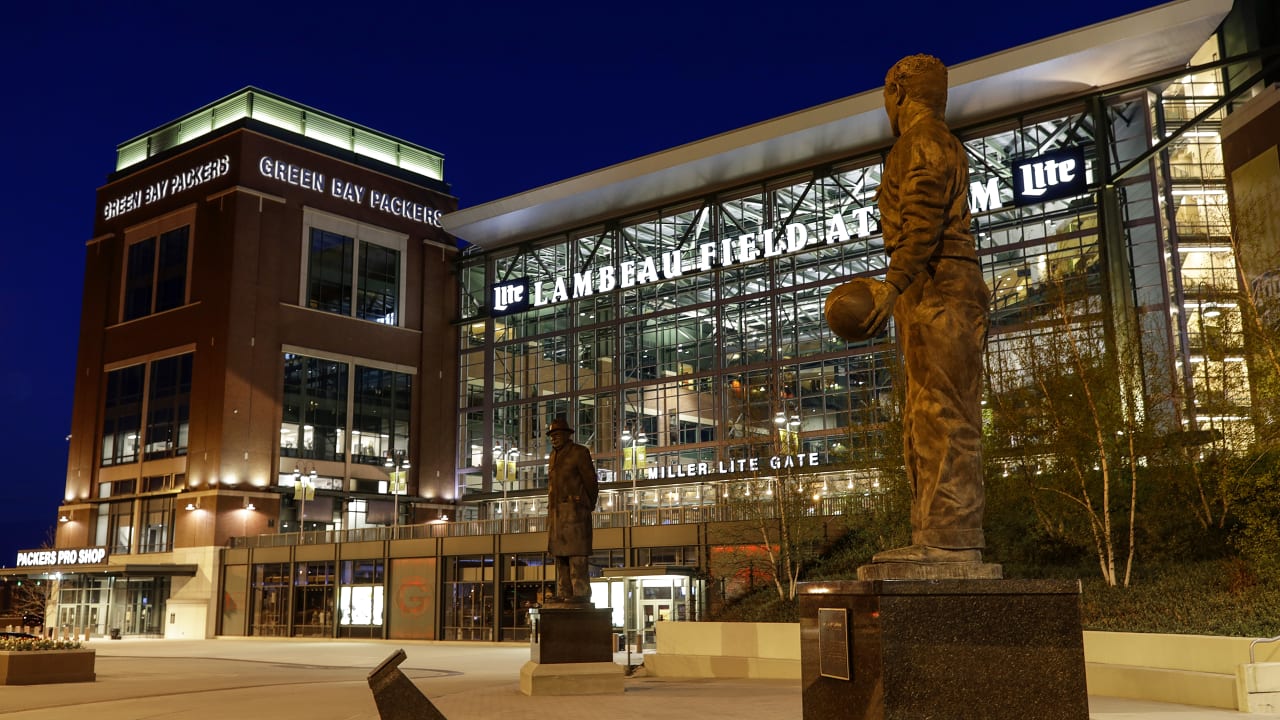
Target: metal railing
(1258,641)
(676,515)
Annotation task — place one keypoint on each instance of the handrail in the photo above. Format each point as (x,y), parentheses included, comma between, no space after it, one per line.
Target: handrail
(677,515)
(1260,640)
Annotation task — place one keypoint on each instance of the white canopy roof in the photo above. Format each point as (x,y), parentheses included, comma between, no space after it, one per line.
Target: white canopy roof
(1109,53)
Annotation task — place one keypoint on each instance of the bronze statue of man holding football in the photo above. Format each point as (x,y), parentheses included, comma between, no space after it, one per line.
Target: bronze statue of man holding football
(935,293)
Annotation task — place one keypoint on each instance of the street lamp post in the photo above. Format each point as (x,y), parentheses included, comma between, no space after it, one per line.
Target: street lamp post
(509,459)
(636,438)
(397,481)
(304,489)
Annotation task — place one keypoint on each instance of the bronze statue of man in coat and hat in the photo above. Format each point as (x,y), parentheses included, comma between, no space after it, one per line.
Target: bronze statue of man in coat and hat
(572,490)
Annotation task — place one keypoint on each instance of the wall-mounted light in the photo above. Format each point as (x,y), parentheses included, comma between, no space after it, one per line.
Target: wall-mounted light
(63,518)
(193,505)
(248,504)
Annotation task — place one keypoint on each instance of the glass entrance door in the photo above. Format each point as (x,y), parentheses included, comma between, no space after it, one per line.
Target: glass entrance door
(137,605)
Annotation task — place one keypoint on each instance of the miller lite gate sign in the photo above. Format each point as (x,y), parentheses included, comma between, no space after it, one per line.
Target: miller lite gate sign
(1051,176)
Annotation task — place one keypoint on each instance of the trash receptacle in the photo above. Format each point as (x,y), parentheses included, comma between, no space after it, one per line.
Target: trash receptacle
(115,633)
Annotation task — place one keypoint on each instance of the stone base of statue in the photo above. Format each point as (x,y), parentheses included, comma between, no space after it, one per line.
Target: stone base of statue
(571,653)
(910,649)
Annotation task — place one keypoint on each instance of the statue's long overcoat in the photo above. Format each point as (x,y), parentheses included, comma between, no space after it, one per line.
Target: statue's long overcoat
(571,497)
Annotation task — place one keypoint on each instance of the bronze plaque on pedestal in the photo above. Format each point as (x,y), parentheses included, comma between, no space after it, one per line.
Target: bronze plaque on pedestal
(833,643)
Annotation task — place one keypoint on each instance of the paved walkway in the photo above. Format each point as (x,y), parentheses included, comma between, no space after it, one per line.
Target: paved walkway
(245,679)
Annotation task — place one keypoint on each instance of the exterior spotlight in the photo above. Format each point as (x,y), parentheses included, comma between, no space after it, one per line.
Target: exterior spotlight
(63,518)
(191,506)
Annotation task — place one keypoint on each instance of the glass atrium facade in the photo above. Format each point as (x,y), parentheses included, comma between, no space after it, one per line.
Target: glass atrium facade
(685,339)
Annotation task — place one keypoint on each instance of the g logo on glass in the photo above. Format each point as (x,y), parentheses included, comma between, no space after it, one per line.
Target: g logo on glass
(413,596)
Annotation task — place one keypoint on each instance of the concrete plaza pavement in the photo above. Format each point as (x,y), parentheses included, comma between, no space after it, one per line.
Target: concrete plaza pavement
(246,679)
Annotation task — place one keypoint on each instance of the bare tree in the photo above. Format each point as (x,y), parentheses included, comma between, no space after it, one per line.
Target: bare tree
(1064,426)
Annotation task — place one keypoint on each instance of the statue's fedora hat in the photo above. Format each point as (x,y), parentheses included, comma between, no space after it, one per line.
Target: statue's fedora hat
(559,425)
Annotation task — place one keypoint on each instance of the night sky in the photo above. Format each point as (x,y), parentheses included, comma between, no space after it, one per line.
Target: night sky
(515,95)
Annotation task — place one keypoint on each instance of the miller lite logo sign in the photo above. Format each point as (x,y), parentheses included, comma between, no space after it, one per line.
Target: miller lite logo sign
(509,297)
(1050,176)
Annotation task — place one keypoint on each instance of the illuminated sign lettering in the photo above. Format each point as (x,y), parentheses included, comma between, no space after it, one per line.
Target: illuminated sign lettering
(509,297)
(61,557)
(1050,176)
(167,187)
(723,467)
(315,181)
(519,294)
(985,198)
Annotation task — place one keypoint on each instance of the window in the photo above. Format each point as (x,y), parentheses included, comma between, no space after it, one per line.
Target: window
(117,520)
(468,597)
(168,407)
(325,400)
(315,408)
(329,264)
(156,273)
(122,415)
(270,600)
(166,386)
(381,414)
(157,525)
(353,269)
(313,599)
(360,598)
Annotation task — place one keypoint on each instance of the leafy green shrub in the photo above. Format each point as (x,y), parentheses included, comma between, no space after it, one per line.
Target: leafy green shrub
(1220,597)
(29,644)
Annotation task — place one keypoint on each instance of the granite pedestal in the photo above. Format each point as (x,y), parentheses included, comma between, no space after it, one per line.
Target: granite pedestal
(944,649)
(571,653)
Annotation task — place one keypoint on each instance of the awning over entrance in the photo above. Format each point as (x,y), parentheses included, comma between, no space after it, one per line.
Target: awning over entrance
(135,570)
(127,570)
(649,571)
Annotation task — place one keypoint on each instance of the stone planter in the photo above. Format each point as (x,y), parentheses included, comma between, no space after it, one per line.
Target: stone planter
(37,667)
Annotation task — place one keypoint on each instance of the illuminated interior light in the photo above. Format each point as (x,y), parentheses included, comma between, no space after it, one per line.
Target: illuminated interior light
(1185,192)
(1204,249)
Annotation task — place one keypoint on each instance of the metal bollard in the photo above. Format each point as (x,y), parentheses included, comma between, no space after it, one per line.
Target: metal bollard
(396,696)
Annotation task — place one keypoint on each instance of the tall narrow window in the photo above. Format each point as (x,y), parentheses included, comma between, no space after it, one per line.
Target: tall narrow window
(379,284)
(122,415)
(171,270)
(157,525)
(139,274)
(168,407)
(120,527)
(329,266)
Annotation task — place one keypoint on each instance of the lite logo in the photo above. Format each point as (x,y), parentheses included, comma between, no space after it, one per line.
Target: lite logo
(1050,176)
(510,297)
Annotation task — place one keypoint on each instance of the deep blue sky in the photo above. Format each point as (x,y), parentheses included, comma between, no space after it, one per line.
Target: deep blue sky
(515,95)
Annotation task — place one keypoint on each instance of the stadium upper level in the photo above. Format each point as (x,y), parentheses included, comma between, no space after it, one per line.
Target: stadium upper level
(1142,44)
(285,114)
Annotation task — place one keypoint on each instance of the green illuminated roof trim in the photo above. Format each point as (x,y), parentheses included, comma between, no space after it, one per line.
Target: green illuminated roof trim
(287,115)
